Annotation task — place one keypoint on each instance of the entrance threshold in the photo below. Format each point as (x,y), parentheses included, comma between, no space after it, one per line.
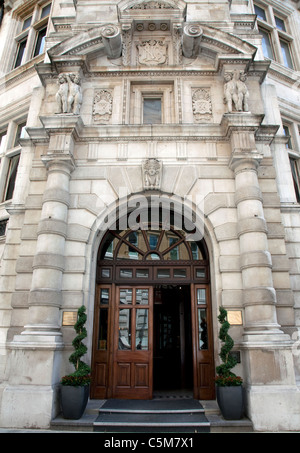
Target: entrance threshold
(173,394)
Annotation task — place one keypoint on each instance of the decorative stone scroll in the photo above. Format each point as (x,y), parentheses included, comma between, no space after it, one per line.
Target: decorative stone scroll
(112,40)
(202,107)
(152,170)
(152,52)
(236,93)
(102,106)
(69,96)
(191,38)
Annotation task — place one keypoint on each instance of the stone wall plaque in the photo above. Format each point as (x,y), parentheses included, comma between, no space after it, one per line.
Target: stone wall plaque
(69,318)
(235,317)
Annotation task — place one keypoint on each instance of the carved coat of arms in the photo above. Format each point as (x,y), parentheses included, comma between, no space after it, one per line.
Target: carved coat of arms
(202,108)
(152,52)
(102,106)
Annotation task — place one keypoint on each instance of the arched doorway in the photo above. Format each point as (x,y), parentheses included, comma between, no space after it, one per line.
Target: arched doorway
(152,321)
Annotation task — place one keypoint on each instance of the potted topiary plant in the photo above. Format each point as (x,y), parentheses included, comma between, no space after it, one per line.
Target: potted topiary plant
(230,396)
(75,386)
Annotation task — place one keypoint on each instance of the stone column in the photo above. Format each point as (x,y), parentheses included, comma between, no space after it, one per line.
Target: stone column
(48,265)
(36,353)
(267,357)
(259,296)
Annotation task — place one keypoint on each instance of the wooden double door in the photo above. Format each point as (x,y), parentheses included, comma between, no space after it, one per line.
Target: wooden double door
(152,337)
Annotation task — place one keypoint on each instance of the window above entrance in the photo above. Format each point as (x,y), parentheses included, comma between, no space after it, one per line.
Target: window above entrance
(147,245)
(159,256)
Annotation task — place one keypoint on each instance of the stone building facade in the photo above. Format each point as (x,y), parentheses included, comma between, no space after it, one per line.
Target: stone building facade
(107,108)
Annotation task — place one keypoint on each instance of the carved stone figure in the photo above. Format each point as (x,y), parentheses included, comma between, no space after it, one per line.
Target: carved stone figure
(230,95)
(236,92)
(102,107)
(242,93)
(75,96)
(62,94)
(69,96)
(152,174)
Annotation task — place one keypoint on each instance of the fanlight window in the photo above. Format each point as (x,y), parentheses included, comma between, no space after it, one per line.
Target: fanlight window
(147,245)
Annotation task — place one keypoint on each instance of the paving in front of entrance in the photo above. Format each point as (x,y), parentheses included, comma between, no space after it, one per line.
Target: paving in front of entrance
(163,414)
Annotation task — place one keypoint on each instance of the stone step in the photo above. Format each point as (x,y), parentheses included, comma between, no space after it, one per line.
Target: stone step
(162,406)
(152,416)
(210,409)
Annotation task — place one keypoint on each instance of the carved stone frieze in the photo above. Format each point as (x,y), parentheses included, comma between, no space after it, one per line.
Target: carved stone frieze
(202,106)
(152,5)
(102,106)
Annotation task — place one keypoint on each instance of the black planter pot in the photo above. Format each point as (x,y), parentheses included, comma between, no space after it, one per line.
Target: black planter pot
(231,402)
(74,400)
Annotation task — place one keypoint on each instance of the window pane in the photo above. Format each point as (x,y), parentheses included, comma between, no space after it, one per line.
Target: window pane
(126,273)
(105,273)
(287,134)
(40,42)
(296,178)
(125,296)
(200,273)
(280,24)
(3,224)
(286,54)
(179,273)
(202,325)
(20,133)
(142,273)
(201,296)
(104,296)
(141,329)
(103,327)
(163,273)
(125,329)
(26,23)
(46,11)
(153,239)
(195,251)
(261,14)
(153,256)
(266,44)
(12,174)
(3,137)
(152,111)
(21,51)
(142,296)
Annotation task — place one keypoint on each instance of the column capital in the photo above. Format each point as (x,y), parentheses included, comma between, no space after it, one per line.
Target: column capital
(242,160)
(58,162)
